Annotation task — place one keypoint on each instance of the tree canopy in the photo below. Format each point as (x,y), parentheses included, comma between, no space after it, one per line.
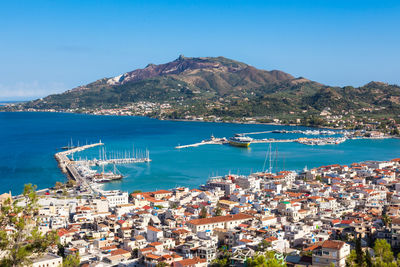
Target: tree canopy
(20,237)
(269,258)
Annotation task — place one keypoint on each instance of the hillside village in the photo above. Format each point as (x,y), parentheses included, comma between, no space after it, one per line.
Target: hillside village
(307,218)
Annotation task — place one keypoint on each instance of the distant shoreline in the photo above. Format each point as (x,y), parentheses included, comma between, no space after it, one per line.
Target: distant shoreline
(182,120)
(202,121)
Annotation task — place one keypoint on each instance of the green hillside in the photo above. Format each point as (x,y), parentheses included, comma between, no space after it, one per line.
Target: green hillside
(223,87)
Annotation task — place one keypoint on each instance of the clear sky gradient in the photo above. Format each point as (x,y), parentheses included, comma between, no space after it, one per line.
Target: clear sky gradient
(51,46)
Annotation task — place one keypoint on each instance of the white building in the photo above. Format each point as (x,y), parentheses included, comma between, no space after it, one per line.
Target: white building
(115,197)
(48,260)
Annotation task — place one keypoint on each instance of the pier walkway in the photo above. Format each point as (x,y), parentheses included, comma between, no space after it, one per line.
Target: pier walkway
(68,166)
(98,162)
(224,141)
(256,133)
(304,141)
(216,141)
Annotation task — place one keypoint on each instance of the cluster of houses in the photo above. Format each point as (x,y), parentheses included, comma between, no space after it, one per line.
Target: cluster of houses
(308,218)
(141,108)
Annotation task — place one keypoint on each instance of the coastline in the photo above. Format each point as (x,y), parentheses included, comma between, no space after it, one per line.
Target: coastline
(209,127)
(43,190)
(202,121)
(183,120)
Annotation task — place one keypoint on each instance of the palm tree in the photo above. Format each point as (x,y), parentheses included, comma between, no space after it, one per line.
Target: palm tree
(386,220)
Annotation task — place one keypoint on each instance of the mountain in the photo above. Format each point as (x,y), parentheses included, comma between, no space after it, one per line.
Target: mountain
(220,86)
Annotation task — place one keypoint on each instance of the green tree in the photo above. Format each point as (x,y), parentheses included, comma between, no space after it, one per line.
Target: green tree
(263,245)
(267,259)
(203,212)
(64,192)
(58,185)
(223,259)
(162,264)
(351,259)
(72,260)
(135,253)
(386,220)
(398,259)
(383,251)
(218,210)
(134,192)
(71,183)
(61,250)
(368,259)
(24,241)
(359,252)
(223,262)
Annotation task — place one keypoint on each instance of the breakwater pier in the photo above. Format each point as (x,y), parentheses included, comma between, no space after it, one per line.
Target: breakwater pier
(68,166)
(225,141)
(64,161)
(301,140)
(80,171)
(212,141)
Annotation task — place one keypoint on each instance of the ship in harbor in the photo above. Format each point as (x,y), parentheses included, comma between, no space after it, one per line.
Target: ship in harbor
(105,177)
(240,140)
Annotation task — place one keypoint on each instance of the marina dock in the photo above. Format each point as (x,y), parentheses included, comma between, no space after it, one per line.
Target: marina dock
(68,166)
(302,140)
(64,161)
(224,141)
(98,162)
(255,141)
(80,171)
(264,132)
(215,141)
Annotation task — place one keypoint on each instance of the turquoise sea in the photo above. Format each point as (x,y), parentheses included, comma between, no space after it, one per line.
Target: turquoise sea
(28,142)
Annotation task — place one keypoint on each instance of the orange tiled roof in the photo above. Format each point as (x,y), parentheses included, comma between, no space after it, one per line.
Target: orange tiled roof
(219,219)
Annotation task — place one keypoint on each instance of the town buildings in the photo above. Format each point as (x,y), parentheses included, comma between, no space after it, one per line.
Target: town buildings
(308,216)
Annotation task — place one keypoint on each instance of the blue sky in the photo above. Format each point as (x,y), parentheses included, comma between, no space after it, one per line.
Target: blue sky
(51,46)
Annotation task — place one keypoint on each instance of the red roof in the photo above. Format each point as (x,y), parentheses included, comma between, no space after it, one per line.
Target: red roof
(219,219)
(162,192)
(334,244)
(346,222)
(152,228)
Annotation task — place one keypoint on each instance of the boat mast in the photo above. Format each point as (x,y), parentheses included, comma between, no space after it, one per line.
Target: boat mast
(270,159)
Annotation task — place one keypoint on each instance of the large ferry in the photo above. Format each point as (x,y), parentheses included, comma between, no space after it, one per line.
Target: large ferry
(240,140)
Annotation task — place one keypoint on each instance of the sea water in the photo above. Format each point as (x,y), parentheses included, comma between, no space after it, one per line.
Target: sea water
(29,140)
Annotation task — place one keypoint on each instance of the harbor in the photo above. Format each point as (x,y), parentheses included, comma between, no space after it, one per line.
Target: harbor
(64,161)
(305,132)
(81,171)
(116,157)
(218,158)
(242,140)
